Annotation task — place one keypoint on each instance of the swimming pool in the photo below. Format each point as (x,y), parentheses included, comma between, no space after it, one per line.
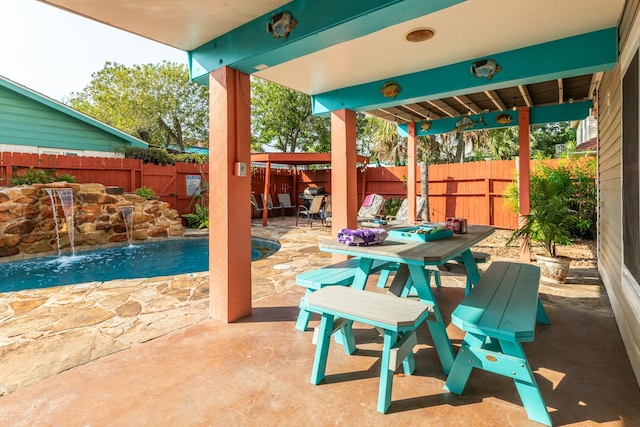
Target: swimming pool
(164,258)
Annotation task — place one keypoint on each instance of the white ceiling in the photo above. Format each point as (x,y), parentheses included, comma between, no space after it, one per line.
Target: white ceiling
(469,30)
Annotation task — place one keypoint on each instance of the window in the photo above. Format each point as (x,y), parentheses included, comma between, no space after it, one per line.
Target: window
(630,176)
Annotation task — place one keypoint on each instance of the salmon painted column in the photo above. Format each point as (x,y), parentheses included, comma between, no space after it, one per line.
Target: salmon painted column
(523,178)
(412,148)
(344,177)
(229,201)
(265,194)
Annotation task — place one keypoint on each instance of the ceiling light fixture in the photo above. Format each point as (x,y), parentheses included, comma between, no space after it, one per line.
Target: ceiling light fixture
(419,35)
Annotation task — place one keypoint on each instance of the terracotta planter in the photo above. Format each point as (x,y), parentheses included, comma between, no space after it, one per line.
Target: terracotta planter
(553,269)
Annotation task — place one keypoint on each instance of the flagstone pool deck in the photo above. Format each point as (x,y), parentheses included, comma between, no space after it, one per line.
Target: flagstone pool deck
(144,352)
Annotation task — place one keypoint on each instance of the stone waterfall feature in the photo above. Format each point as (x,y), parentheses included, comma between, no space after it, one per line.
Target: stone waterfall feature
(27,224)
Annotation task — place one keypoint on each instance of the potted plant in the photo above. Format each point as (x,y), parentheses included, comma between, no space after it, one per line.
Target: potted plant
(551,220)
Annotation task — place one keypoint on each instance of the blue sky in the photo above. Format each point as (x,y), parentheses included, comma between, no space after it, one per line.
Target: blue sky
(55,52)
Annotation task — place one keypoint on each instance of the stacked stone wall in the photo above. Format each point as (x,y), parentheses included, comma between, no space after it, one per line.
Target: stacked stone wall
(27,224)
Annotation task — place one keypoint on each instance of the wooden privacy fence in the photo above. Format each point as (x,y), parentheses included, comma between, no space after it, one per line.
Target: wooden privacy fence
(169,182)
(469,190)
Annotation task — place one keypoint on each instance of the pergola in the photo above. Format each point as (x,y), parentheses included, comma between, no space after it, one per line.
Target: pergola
(294,159)
(430,66)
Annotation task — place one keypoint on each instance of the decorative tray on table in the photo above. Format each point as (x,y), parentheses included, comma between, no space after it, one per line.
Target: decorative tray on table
(422,233)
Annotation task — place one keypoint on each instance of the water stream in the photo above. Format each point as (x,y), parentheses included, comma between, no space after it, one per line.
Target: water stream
(127,215)
(65,195)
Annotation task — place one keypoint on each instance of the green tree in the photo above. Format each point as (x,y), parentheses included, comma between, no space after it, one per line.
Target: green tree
(157,103)
(544,138)
(387,144)
(282,119)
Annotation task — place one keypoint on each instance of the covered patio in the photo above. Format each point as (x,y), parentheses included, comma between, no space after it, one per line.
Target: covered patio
(429,66)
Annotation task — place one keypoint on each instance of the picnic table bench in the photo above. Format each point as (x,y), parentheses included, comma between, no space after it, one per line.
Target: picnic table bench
(497,315)
(397,318)
(339,274)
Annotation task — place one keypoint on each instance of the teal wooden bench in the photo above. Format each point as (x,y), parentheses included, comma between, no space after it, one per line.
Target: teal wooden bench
(396,317)
(340,274)
(497,315)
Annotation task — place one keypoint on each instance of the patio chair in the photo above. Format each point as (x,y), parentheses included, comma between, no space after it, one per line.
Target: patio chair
(270,204)
(370,208)
(284,202)
(325,214)
(312,212)
(258,206)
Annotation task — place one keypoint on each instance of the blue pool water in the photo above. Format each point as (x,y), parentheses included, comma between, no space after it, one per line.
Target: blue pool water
(154,259)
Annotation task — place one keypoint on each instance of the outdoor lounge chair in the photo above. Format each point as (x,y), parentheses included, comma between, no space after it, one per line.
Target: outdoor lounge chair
(401,217)
(312,212)
(370,208)
(284,202)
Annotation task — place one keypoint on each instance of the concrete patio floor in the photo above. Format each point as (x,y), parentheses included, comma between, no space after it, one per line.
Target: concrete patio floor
(257,371)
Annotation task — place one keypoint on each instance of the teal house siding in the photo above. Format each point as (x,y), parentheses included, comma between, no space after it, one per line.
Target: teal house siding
(39,124)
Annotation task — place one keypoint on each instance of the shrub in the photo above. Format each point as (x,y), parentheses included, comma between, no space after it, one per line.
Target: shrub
(562,208)
(40,176)
(162,156)
(198,219)
(391,206)
(149,155)
(146,192)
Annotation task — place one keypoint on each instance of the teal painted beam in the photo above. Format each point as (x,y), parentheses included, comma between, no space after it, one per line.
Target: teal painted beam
(489,120)
(547,61)
(320,24)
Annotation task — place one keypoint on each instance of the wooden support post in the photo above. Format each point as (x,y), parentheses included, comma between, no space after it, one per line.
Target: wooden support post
(265,194)
(229,201)
(344,188)
(412,144)
(523,179)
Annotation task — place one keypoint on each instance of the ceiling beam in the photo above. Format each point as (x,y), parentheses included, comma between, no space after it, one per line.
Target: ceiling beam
(396,115)
(250,48)
(495,98)
(560,92)
(524,92)
(488,120)
(533,64)
(411,107)
(442,106)
(468,104)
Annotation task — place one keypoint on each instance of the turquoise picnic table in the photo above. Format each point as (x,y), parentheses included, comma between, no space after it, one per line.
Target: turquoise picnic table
(413,256)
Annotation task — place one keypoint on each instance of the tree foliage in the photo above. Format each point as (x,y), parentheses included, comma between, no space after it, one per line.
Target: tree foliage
(282,120)
(156,103)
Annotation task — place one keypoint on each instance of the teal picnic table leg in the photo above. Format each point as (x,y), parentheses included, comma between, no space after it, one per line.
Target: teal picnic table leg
(436,327)
(344,336)
(473,275)
(322,349)
(527,385)
(386,373)
(362,273)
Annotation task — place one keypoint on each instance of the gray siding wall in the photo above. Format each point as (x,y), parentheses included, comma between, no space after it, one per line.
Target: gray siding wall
(623,292)
(26,122)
